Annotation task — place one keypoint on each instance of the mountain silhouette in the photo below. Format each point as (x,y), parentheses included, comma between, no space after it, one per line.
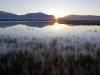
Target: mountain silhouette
(82,17)
(37,16)
(7,15)
(33,16)
(43,16)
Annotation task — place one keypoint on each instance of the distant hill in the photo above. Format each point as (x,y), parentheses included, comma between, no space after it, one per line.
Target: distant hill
(81,17)
(7,15)
(40,16)
(29,16)
(80,20)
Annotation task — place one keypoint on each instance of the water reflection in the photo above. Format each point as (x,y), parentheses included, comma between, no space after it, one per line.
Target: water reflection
(59,27)
(49,29)
(28,23)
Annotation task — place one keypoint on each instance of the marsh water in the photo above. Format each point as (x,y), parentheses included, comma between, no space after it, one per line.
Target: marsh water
(50,30)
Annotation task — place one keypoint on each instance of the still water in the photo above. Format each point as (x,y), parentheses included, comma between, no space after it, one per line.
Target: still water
(49,30)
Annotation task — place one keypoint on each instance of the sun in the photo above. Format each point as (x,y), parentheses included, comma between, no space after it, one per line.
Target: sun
(57,12)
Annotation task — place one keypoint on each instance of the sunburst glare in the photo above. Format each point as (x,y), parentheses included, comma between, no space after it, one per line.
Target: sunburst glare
(57,12)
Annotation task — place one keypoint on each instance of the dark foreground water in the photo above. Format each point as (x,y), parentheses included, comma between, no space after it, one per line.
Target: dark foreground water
(42,48)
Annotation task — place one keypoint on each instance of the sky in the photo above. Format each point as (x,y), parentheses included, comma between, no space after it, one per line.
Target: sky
(58,8)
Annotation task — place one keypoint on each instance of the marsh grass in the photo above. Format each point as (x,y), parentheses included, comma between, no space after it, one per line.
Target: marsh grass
(23,56)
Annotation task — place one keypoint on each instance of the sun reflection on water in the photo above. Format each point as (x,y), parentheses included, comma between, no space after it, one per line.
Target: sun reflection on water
(59,27)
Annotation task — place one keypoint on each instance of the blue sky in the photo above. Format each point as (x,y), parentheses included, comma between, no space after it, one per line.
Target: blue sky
(53,7)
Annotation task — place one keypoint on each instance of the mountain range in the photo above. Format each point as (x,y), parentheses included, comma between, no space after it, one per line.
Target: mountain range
(32,16)
(81,18)
(42,16)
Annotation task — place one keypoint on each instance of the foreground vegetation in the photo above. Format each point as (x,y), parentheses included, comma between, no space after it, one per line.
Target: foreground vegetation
(24,56)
